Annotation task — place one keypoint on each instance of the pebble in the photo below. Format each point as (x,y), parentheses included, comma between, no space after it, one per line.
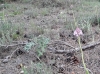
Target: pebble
(5,61)
(22,72)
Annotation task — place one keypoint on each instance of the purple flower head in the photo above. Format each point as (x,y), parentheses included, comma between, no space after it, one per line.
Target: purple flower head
(78,32)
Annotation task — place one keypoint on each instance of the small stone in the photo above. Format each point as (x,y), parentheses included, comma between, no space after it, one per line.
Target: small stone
(5,60)
(22,72)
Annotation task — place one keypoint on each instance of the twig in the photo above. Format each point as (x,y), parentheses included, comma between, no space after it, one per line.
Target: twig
(77,49)
(7,58)
(62,43)
(11,45)
(13,53)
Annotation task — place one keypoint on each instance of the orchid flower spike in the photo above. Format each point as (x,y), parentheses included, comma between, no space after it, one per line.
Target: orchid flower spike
(78,32)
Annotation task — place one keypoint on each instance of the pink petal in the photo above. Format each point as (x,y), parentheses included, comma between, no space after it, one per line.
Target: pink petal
(78,32)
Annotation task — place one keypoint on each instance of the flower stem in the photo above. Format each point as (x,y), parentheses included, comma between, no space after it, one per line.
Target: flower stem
(79,41)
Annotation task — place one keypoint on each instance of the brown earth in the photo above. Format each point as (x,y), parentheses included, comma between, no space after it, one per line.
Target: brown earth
(54,27)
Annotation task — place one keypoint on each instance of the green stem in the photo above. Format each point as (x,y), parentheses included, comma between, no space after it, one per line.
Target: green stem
(75,20)
(3,17)
(87,72)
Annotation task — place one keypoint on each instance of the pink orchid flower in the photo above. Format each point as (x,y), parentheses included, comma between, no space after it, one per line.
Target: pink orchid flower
(78,32)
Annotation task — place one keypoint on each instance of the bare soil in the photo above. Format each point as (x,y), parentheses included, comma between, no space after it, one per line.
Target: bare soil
(54,27)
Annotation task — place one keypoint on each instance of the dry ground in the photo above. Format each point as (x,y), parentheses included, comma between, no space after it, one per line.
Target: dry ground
(57,24)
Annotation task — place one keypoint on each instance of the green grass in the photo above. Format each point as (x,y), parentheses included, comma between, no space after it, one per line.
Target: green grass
(37,68)
(88,12)
(6,30)
(44,11)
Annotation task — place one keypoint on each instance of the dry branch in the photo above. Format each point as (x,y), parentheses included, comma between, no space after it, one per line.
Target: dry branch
(77,49)
(61,42)
(15,44)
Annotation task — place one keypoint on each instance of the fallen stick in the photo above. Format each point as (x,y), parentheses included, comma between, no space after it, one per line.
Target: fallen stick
(77,49)
(62,43)
(12,45)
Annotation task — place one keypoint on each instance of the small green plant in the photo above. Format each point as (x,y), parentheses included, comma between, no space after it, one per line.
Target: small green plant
(17,12)
(41,45)
(37,68)
(44,11)
(40,42)
(6,31)
(1,15)
(97,16)
(28,46)
(32,13)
